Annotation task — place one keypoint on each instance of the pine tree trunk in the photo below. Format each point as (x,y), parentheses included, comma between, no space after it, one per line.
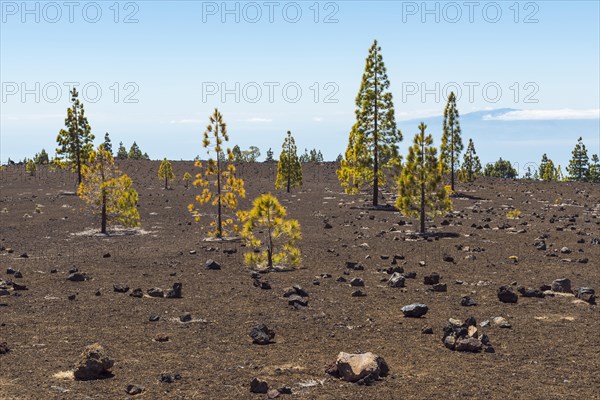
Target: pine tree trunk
(166,182)
(452,160)
(289,168)
(219,223)
(422,207)
(270,246)
(375,150)
(103,228)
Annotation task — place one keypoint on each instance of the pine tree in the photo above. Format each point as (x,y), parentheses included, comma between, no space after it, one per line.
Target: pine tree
(271,237)
(355,170)
(550,173)
(30,167)
(289,168)
(41,157)
(471,167)
(135,153)
(107,143)
(165,171)
(420,183)
(227,186)
(500,169)
(594,169)
(237,154)
(122,152)
(543,164)
(108,192)
(578,166)
(375,132)
(559,174)
(187,177)
(339,158)
(252,154)
(304,158)
(76,142)
(451,141)
(528,175)
(269,157)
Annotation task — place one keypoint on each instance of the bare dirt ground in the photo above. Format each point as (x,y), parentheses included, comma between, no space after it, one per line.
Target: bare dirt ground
(552,350)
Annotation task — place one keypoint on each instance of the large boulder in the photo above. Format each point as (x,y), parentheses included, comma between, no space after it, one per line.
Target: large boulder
(363,368)
(94,363)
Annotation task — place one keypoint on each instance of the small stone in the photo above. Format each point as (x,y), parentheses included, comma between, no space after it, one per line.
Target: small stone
(507,295)
(529,292)
(155,292)
(358,293)
(415,310)
(106,255)
(297,301)
(258,386)
(365,368)
(262,335)
(137,293)
(169,378)
(501,322)
(212,265)
(133,389)
(586,294)
(76,277)
(448,258)
(565,250)
(431,279)
(440,287)
(427,330)
(357,282)
(562,285)
(469,344)
(71,297)
(185,317)
(175,292)
(466,301)
(94,363)
(396,280)
(273,393)
(161,338)
(120,288)
(153,318)
(4,348)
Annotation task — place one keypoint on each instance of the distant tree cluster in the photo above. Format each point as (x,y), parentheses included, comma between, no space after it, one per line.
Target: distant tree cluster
(250,155)
(500,169)
(313,155)
(134,152)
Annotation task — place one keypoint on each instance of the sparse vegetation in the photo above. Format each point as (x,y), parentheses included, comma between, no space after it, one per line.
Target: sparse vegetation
(271,237)
(289,169)
(165,171)
(108,192)
(421,190)
(227,188)
(500,169)
(76,142)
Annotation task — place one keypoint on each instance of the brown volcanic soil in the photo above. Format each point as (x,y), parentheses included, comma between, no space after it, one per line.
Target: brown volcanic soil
(551,352)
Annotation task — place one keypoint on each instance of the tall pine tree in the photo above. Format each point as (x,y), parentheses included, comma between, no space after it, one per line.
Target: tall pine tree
(76,142)
(578,166)
(594,169)
(451,141)
(289,169)
(543,164)
(107,143)
(122,152)
(471,167)
(420,183)
(373,141)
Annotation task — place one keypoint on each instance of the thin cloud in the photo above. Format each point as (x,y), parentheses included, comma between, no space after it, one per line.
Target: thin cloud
(259,120)
(317,119)
(186,121)
(409,115)
(541,115)
(30,117)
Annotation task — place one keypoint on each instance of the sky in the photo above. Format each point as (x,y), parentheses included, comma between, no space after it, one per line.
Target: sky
(153,71)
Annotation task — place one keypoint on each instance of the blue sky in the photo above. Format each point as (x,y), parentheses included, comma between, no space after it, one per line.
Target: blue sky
(178,51)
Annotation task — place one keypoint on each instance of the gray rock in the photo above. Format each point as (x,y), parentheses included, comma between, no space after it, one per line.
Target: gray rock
(562,285)
(120,288)
(133,389)
(76,277)
(185,317)
(396,280)
(175,292)
(212,265)
(258,386)
(469,344)
(431,279)
(586,294)
(466,301)
(415,310)
(357,282)
(94,363)
(261,334)
(155,292)
(506,294)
